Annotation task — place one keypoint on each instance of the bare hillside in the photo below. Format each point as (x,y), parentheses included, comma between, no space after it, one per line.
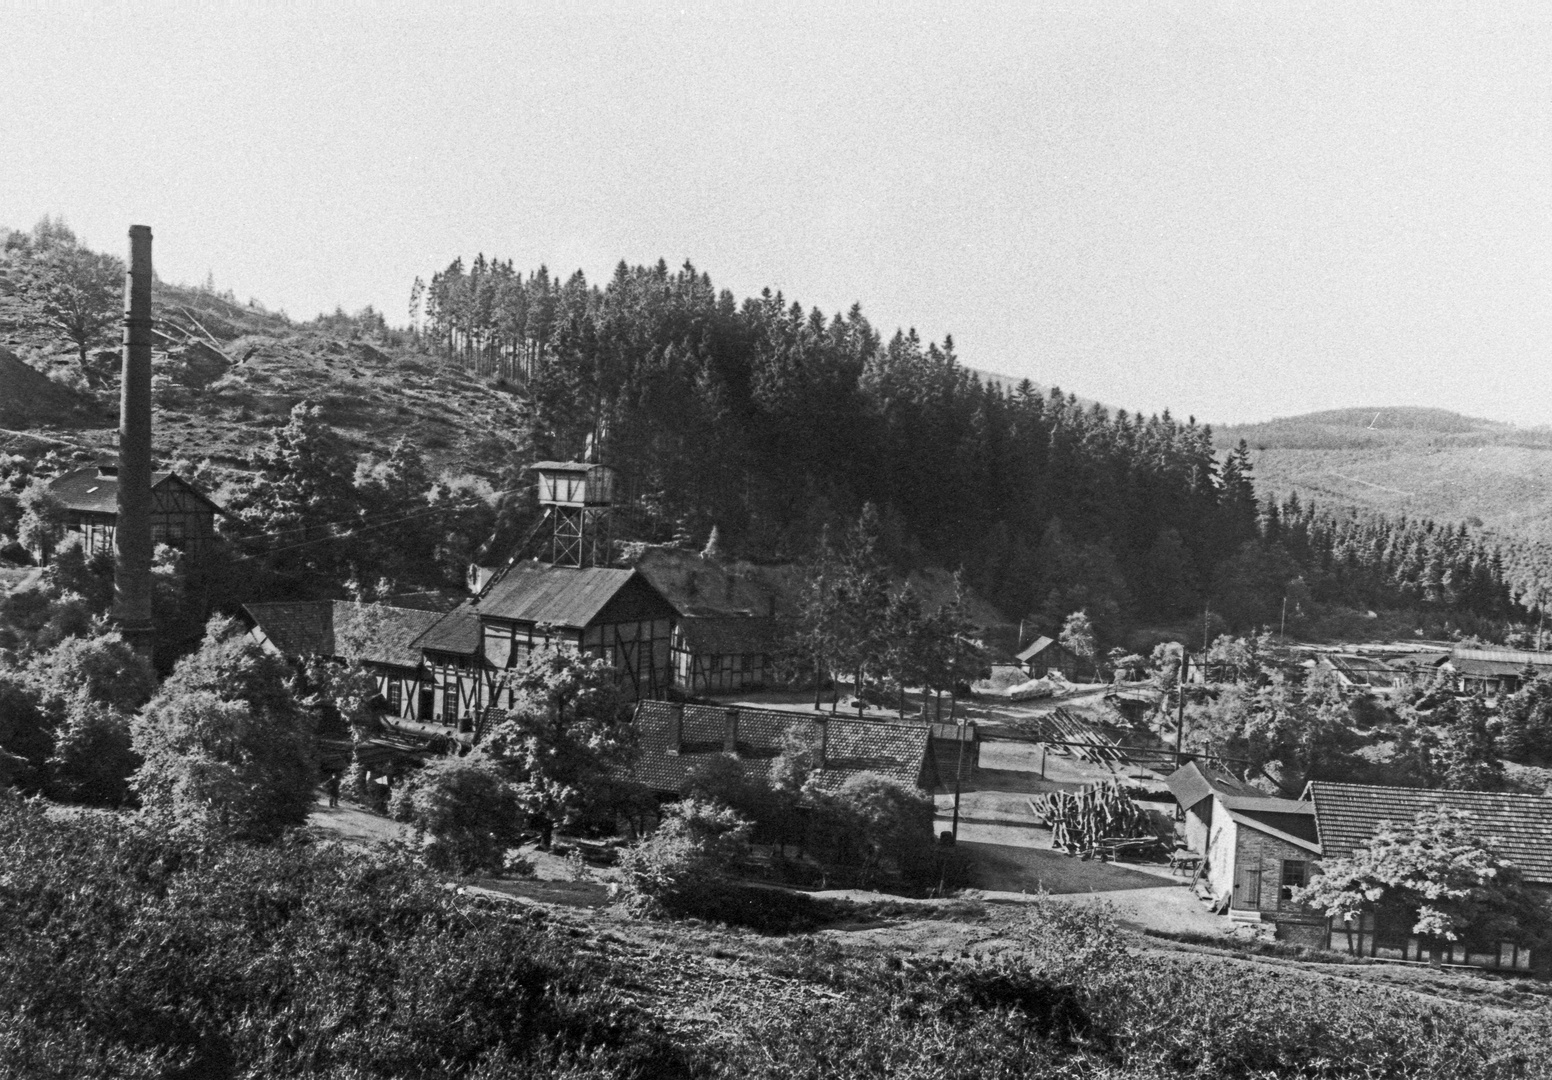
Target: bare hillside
(225,374)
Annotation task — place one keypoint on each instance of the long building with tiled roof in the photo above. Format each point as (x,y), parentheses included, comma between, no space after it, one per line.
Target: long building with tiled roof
(1348,815)
(674,739)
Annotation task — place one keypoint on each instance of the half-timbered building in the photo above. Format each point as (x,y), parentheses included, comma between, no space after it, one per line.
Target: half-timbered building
(383,637)
(181,515)
(614,614)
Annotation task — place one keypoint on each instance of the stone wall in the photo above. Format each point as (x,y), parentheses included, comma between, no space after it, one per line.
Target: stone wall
(1255,849)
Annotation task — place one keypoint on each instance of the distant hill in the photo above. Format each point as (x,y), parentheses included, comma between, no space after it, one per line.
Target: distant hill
(1010,383)
(1421,462)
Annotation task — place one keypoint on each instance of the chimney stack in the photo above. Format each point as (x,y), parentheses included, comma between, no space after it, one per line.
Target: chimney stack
(132,547)
(675,729)
(730,732)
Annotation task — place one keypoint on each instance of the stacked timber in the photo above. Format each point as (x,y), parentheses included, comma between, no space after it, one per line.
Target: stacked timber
(1081,739)
(1080,820)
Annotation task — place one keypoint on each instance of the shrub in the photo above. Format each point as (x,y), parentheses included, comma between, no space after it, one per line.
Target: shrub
(516,865)
(225,743)
(872,823)
(465,813)
(93,758)
(138,953)
(690,851)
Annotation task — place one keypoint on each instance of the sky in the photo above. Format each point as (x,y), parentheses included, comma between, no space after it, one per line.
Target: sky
(1233,210)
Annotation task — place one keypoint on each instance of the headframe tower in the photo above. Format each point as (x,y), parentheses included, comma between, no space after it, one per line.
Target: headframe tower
(578,496)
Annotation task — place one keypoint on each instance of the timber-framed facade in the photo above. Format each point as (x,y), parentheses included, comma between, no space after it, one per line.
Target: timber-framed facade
(181,515)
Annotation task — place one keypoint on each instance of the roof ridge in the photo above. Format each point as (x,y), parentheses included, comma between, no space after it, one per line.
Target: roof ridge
(1430,791)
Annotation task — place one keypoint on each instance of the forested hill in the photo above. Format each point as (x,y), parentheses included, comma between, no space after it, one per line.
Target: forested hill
(1428,463)
(773,422)
(754,416)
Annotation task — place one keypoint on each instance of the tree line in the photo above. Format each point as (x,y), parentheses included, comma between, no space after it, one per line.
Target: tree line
(769,423)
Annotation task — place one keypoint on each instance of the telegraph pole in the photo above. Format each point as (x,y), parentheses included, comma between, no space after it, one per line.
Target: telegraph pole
(959,771)
(1180,715)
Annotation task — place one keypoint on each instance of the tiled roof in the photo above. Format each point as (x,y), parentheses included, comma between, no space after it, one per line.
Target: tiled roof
(456,632)
(1349,815)
(383,634)
(297,628)
(853,746)
(561,595)
(95,491)
(380,633)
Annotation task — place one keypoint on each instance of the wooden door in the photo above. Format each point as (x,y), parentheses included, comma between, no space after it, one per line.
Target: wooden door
(1247,887)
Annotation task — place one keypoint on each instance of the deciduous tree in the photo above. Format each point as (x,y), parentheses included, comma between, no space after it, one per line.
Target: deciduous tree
(226,744)
(564,734)
(1438,874)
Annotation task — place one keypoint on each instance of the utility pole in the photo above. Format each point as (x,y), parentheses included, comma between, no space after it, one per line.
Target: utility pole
(1180,715)
(959,772)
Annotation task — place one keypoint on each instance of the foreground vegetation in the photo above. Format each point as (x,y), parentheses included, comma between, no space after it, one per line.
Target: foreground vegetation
(136,953)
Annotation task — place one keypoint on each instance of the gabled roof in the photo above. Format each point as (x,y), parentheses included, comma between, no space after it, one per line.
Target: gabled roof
(96,489)
(1296,829)
(560,595)
(1519,657)
(383,634)
(853,747)
(1491,669)
(733,634)
(457,632)
(1191,783)
(378,633)
(1350,814)
(1038,646)
(298,628)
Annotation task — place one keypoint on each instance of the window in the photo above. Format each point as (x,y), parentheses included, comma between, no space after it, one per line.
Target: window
(1295,876)
(395,696)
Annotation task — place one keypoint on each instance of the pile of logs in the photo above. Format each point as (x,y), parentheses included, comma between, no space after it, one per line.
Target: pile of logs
(1080,820)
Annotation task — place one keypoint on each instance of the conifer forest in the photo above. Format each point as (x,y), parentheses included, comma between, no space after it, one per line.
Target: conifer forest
(770,422)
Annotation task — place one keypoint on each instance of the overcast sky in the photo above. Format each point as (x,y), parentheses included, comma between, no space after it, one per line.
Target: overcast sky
(1238,211)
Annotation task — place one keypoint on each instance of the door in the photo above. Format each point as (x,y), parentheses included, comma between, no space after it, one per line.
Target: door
(1247,887)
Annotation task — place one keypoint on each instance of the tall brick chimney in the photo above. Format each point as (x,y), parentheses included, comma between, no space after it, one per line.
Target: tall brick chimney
(132,547)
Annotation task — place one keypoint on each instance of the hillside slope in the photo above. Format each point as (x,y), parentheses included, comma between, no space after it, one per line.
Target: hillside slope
(1429,463)
(226,374)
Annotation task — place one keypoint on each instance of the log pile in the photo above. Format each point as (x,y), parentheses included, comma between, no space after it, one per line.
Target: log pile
(1080,820)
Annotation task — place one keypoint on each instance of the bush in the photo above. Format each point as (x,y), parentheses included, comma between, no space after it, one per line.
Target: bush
(690,851)
(225,743)
(93,758)
(873,824)
(1070,1001)
(132,953)
(465,813)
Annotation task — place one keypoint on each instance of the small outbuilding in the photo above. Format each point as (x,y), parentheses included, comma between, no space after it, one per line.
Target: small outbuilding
(182,516)
(1256,848)
(1046,655)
